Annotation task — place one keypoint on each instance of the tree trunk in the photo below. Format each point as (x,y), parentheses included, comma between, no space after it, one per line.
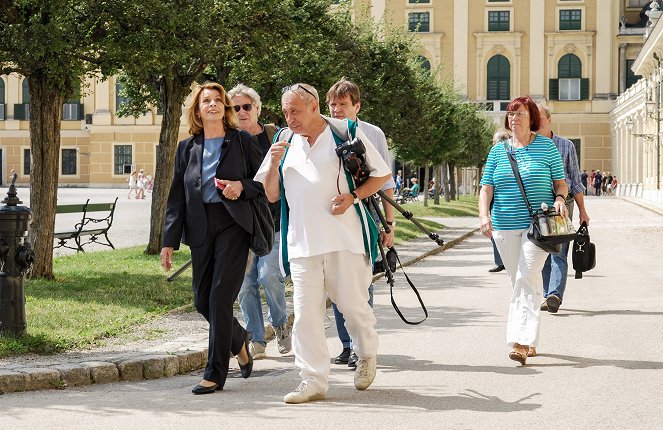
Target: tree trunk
(424,185)
(45,118)
(452,181)
(445,182)
(438,184)
(173,96)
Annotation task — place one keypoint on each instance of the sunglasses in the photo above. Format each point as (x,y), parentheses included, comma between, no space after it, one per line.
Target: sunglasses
(247,107)
(296,87)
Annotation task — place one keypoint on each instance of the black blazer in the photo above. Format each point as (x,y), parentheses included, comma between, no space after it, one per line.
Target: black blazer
(186,219)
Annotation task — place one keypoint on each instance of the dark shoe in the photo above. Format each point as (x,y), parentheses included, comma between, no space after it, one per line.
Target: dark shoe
(248,367)
(553,303)
(497,269)
(544,305)
(352,361)
(199,389)
(343,357)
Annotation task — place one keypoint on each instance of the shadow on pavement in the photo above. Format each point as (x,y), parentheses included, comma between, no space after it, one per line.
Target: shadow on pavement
(583,362)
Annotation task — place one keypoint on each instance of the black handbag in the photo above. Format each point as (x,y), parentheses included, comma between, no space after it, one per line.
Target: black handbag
(262,239)
(552,244)
(584,252)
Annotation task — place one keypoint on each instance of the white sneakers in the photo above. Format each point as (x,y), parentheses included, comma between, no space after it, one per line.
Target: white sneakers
(364,376)
(303,394)
(283,338)
(365,372)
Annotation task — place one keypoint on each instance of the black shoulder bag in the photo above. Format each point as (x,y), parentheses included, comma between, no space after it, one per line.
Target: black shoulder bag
(539,230)
(262,239)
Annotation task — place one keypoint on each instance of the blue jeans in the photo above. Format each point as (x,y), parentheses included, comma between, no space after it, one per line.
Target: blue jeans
(263,271)
(343,334)
(554,273)
(496,254)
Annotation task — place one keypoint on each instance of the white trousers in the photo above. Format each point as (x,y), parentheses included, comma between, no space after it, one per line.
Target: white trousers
(523,262)
(343,276)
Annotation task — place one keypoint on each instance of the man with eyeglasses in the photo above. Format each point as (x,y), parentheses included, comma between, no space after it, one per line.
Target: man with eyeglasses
(343,99)
(326,241)
(556,266)
(262,270)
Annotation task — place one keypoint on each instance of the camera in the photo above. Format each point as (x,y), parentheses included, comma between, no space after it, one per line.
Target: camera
(392,260)
(352,154)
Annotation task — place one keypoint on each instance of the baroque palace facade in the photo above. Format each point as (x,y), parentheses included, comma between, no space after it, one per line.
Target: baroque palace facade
(575,56)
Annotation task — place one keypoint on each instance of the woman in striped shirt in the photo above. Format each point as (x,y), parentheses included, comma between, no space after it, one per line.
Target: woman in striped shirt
(541,169)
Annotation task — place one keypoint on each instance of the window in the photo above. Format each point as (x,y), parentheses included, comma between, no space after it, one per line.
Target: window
(2,99)
(69,161)
(499,78)
(122,156)
(418,1)
(26,161)
(25,90)
(498,20)
(424,63)
(637,3)
(570,19)
(570,85)
(631,78)
(119,100)
(419,22)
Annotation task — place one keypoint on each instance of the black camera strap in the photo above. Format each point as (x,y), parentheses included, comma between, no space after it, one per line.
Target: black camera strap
(390,280)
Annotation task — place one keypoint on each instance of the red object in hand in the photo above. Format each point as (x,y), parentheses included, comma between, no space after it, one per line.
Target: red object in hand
(218,184)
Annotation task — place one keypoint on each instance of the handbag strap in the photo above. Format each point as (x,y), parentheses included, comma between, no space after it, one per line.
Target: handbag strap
(516,174)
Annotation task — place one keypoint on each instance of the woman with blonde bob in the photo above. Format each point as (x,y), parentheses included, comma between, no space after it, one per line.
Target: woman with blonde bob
(208,209)
(540,166)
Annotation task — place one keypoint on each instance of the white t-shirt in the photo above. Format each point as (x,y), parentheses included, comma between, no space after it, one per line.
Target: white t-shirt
(379,140)
(311,175)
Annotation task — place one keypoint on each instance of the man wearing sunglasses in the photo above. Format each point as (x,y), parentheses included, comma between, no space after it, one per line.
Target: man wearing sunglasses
(343,100)
(262,270)
(326,242)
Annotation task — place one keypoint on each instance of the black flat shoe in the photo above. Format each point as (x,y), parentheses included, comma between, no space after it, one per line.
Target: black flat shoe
(343,357)
(497,269)
(199,389)
(248,367)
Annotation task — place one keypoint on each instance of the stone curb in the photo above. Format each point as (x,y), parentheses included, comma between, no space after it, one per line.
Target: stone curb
(132,368)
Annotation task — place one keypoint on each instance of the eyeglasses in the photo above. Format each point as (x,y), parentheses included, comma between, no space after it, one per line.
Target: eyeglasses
(295,87)
(246,106)
(520,114)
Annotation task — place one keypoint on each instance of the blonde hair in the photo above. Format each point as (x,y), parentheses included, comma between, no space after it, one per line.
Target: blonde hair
(229,116)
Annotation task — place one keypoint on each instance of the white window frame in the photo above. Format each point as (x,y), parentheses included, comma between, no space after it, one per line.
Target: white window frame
(569,89)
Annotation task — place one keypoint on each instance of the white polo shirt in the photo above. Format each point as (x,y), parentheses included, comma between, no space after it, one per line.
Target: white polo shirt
(312,177)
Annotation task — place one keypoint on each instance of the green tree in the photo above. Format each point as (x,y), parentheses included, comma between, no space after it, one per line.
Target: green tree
(48,42)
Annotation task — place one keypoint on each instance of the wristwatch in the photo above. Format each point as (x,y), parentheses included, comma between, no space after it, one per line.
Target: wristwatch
(356,201)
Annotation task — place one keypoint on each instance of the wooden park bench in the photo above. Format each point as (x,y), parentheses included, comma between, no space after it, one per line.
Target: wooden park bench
(89,227)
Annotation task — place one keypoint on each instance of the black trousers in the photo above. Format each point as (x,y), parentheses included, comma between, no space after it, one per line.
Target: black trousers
(218,271)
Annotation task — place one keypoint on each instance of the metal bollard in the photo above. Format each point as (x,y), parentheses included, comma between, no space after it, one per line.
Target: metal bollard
(16,258)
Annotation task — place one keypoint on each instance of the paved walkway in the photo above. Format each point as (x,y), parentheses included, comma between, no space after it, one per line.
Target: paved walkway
(600,363)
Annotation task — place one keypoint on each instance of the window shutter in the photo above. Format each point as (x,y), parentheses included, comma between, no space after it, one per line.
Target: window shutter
(553,89)
(19,111)
(584,89)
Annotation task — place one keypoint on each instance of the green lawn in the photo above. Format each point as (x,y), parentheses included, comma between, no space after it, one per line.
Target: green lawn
(97,295)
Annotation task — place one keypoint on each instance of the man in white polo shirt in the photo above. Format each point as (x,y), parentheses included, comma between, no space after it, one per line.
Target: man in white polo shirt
(325,242)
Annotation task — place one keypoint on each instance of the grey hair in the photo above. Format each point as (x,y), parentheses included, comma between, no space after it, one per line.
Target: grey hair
(500,135)
(544,109)
(243,90)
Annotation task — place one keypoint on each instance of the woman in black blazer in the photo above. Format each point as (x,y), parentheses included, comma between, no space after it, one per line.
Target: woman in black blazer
(208,209)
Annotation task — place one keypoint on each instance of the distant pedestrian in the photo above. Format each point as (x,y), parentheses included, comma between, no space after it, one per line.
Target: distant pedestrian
(598,182)
(140,185)
(133,181)
(591,180)
(399,182)
(583,179)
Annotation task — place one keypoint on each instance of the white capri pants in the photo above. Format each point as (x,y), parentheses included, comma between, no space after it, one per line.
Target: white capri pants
(523,262)
(345,277)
